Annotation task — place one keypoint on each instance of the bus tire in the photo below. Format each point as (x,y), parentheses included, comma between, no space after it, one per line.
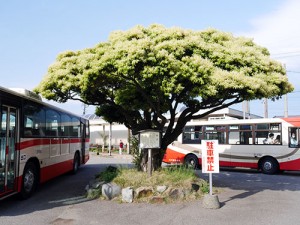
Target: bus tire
(29,180)
(192,161)
(269,165)
(76,163)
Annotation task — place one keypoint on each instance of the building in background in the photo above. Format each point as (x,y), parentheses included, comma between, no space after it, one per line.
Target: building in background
(100,129)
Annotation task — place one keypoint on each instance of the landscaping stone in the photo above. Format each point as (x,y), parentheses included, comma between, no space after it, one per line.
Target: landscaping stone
(161,189)
(143,192)
(111,190)
(97,184)
(176,193)
(127,195)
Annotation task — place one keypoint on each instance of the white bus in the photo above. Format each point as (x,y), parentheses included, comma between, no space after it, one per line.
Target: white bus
(37,142)
(269,145)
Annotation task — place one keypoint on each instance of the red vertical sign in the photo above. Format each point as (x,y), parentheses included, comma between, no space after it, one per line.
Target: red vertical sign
(210,156)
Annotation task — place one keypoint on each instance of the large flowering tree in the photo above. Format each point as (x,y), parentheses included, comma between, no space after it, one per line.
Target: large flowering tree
(141,77)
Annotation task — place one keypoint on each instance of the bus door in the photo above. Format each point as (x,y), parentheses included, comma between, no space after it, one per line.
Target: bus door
(83,140)
(8,137)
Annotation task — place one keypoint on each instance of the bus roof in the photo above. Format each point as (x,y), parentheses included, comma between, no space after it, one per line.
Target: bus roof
(29,95)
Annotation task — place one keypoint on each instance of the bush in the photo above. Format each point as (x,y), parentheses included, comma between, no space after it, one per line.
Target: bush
(108,175)
(137,155)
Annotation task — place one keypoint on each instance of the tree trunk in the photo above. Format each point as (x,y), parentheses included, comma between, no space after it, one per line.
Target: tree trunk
(156,159)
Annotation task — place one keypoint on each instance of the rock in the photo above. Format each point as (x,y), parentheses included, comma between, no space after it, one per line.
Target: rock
(111,190)
(127,195)
(142,192)
(161,189)
(176,193)
(97,184)
(157,199)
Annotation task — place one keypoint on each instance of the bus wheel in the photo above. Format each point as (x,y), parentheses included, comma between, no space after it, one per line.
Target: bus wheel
(29,180)
(269,165)
(76,163)
(191,161)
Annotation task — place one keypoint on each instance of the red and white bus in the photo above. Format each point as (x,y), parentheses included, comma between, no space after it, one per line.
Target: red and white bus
(270,145)
(37,142)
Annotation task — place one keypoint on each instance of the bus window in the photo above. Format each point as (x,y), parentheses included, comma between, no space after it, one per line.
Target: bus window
(192,135)
(52,123)
(234,137)
(246,138)
(75,127)
(266,133)
(261,137)
(34,120)
(294,137)
(66,123)
(246,134)
(215,133)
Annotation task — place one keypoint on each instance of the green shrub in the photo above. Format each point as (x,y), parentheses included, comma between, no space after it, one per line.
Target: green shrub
(109,174)
(137,155)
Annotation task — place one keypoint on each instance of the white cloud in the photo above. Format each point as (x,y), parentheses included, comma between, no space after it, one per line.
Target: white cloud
(279,31)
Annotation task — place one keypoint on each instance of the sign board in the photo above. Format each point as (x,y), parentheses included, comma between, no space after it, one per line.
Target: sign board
(150,139)
(210,156)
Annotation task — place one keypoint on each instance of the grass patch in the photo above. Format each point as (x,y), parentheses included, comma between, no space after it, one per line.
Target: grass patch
(181,178)
(175,177)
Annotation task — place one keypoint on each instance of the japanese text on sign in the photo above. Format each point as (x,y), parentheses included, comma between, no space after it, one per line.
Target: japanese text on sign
(210,156)
(150,139)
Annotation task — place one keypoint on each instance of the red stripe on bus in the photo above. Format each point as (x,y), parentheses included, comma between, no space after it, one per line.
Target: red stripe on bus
(172,156)
(34,142)
(46,141)
(55,170)
(75,140)
(290,165)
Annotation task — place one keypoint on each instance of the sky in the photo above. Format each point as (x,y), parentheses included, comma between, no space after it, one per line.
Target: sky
(34,32)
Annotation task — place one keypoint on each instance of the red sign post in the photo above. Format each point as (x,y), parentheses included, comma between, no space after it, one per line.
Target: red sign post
(210,159)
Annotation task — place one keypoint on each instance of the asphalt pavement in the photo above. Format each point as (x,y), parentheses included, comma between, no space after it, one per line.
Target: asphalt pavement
(247,197)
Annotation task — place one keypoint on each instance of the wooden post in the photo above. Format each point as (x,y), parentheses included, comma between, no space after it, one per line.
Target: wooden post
(149,162)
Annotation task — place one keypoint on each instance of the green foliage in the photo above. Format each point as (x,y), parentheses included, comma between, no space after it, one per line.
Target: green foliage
(141,77)
(137,155)
(108,175)
(204,188)
(93,193)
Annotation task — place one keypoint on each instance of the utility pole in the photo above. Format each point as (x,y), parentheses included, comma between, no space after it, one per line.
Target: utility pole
(84,108)
(266,114)
(109,138)
(286,113)
(246,109)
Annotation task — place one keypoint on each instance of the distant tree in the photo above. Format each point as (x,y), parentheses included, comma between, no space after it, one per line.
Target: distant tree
(143,76)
